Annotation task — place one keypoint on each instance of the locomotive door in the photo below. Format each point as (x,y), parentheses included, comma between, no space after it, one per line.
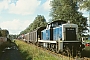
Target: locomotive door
(70,34)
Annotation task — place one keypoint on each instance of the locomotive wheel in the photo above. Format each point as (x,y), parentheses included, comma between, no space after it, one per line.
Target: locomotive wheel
(51,47)
(78,54)
(67,52)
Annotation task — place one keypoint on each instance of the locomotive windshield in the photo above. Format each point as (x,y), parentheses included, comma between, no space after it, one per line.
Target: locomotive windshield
(70,34)
(57,23)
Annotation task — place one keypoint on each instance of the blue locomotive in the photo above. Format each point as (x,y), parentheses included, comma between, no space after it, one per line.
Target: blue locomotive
(58,36)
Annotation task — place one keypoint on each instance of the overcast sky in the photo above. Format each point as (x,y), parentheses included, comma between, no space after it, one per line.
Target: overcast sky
(16,15)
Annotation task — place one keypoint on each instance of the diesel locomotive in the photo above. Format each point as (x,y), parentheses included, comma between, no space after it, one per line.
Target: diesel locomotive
(58,36)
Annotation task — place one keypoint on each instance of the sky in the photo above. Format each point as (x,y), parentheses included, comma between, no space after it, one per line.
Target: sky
(17,15)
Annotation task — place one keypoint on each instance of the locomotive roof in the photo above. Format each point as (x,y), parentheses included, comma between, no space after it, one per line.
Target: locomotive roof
(60,21)
(40,28)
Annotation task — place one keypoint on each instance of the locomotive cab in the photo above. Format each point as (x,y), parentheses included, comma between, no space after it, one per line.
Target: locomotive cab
(70,42)
(69,32)
(61,36)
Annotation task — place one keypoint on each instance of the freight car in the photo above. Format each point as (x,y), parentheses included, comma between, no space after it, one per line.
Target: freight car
(58,36)
(32,37)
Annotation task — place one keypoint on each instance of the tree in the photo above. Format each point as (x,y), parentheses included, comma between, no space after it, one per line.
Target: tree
(67,10)
(39,21)
(63,9)
(0,29)
(0,33)
(85,4)
(4,33)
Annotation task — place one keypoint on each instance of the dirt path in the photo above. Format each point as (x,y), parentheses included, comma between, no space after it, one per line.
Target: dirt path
(11,53)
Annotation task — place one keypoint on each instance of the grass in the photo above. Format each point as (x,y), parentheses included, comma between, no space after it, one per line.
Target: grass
(31,52)
(87,40)
(86,51)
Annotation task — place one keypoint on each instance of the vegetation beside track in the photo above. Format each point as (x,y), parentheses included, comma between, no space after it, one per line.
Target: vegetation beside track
(87,40)
(32,52)
(86,51)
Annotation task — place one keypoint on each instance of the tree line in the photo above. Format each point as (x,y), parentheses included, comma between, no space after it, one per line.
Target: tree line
(4,33)
(66,10)
(39,21)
